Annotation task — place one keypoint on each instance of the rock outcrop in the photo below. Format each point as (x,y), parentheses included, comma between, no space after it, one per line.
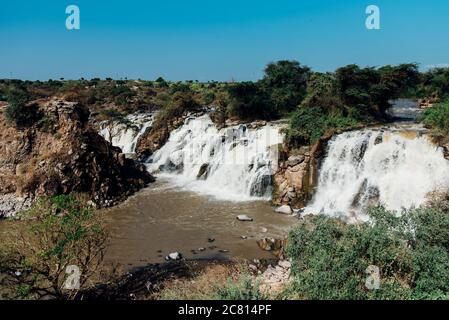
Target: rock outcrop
(296,178)
(62,153)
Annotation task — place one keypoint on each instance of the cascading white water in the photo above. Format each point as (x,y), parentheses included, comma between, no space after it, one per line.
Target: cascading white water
(126,135)
(362,168)
(235,163)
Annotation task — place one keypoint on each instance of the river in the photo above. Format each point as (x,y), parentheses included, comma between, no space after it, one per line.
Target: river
(165,218)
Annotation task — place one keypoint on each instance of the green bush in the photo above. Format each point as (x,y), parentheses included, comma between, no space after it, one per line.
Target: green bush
(435,83)
(19,112)
(242,289)
(309,124)
(249,101)
(330,258)
(56,232)
(437,118)
(174,107)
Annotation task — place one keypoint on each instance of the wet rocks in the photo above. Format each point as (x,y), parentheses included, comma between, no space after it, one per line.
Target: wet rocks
(379,139)
(261,185)
(173,256)
(285,209)
(276,246)
(203,172)
(270,244)
(244,218)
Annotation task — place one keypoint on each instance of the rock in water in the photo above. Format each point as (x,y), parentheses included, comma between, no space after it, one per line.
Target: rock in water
(244,217)
(286,209)
(173,256)
(202,173)
(266,244)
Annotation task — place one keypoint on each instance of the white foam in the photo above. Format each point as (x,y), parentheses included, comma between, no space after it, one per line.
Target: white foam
(398,173)
(125,136)
(241,161)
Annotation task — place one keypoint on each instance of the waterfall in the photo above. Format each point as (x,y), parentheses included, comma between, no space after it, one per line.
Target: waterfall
(125,134)
(394,168)
(236,163)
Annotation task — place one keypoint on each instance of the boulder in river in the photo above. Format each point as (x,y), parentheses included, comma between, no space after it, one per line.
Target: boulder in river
(202,173)
(276,246)
(285,209)
(244,217)
(173,256)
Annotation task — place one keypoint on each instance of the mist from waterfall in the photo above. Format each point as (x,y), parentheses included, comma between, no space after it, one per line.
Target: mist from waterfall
(235,163)
(368,167)
(126,134)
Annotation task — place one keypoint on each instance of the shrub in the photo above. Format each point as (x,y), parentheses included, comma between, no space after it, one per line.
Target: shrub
(309,124)
(242,289)
(437,118)
(174,107)
(57,232)
(330,258)
(249,101)
(435,83)
(19,112)
(207,97)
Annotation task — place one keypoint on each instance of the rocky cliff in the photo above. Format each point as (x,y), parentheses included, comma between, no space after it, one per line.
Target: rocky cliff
(296,178)
(59,154)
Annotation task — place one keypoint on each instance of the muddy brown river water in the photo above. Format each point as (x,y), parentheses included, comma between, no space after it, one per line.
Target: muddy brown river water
(163,218)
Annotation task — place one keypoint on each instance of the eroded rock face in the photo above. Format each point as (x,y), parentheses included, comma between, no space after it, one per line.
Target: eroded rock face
(68,156)
(275,278)
(10,204)
(296,178)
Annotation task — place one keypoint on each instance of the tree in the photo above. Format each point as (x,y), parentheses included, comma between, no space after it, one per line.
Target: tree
(57,233)
(161,82)
(249,101)
(286,82)
(435,82)
(401,80)
(19,112)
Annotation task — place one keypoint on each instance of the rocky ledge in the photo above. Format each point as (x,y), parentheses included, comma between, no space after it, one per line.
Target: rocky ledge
(59,154)
(296,178)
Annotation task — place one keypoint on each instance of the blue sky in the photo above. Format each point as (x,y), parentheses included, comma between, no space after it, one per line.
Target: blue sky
(214,40)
